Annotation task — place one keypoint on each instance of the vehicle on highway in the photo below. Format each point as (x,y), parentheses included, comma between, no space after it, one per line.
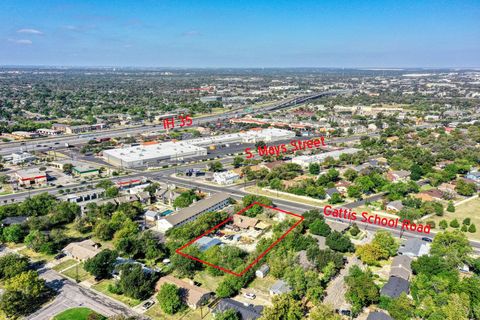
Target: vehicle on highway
(249,295)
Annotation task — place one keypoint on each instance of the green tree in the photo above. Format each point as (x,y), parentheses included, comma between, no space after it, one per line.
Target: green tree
(238,161)
(111,192)
(14,233)
(466,221)
(320,227)
(12,264)
(454,246)
(451,207)
(284,308)
(354,192)
(314,168)
(401,308)
(135,282)
(215,166)
(323,312)
(336,241)
(169,298)
(101,266)
(361,289)
(230,314)
(335,198)
(465,188)
(443,224)
(350,174)
(416,172)
(67,168)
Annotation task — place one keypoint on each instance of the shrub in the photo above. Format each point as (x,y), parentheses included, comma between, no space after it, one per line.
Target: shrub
(466,221)
(472,228)
(454,223)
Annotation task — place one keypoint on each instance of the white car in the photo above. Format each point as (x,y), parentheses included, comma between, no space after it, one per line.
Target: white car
(250,296)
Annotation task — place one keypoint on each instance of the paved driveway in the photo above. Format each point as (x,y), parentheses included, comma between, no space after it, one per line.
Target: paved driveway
(73,295)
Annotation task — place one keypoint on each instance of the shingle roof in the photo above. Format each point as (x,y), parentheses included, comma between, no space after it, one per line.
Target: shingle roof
(190,293)
(279,287)
(378,315)
(82,250)
(247,312)
(394,287)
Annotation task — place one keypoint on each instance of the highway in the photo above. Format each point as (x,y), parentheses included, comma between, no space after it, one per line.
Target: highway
(52,143)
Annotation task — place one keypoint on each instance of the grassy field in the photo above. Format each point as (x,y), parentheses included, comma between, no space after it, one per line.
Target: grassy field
(284,196)
(469,209)
(208,281)
(156,313)
(36,256)
(64,264)
(81,276)
(102,286)
(75,314)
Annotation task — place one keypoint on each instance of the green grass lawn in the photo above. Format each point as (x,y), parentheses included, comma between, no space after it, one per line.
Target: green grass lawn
(36,256)
(65,264)
(75,314)
(156,313)
(208,281)
(469,209)
(102,286)
(82,275)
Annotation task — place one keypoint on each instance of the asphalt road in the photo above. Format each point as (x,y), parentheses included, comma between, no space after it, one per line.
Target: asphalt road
(53,143)
(72,295)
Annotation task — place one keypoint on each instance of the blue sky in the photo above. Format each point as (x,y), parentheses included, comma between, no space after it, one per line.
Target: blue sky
(241,33)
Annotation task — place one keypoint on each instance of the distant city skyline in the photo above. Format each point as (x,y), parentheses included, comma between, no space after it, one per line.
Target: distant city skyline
(246,34)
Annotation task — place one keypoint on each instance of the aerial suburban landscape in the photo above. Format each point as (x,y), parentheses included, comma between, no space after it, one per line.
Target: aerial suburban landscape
(282,189)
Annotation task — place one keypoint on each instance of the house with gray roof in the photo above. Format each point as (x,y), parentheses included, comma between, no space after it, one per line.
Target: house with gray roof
(414,247)
(205,243)
(394,287)
(279,287)
(246,311)
(378,315)
(401,267)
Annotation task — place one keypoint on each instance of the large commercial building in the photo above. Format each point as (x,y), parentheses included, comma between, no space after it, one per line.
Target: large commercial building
(304,161)
(152,154)
(215,202)
(157,154)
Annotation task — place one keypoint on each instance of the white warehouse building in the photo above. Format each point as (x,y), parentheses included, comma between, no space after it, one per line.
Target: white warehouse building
(304,161)
(156,154)
(152,155)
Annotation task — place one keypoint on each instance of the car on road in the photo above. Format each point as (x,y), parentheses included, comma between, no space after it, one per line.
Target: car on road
(147,304)
(427,239)
(249,295)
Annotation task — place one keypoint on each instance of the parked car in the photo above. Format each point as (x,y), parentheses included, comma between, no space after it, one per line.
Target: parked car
(60,256)
(249,295)
(147,304)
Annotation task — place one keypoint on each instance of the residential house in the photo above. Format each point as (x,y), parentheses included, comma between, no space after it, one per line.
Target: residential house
(394,287)
(192,295)
(151,215)
(398,175)
(144,197)
(401,267)
(246,311)
(414,247)
(448,189)
(342,186)
(262,271)
(329,192)
(378,315)
(10,221)
(303,260)
(394,206)
(279,287)
(244,222)
(82,250)
(474,176)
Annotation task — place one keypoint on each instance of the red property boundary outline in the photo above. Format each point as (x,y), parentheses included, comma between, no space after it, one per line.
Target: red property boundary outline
(179,250)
